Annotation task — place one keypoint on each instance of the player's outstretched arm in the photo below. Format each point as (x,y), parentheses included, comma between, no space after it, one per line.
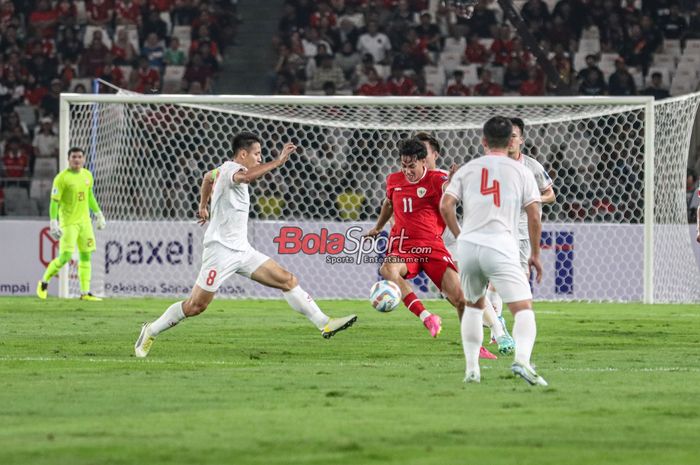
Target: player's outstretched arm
(250,175)
(548,195)
(95,208)
(384,215)
(534,226)
(448,210)
(204,195)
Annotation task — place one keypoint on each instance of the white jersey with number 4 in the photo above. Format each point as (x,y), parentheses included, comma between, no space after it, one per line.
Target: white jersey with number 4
(543,182)
(493,190)
(230,204)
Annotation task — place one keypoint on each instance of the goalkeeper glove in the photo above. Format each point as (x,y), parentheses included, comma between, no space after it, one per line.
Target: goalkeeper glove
(100,220)
(55,230)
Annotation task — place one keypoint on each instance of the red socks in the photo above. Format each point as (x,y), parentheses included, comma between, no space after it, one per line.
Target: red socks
(413,303)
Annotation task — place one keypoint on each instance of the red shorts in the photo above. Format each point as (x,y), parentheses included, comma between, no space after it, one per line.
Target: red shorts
(434,262)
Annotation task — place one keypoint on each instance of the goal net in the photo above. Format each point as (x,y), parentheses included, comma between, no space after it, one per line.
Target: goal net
(617,231)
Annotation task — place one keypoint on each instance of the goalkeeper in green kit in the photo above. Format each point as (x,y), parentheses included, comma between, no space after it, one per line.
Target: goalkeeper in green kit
(71,201)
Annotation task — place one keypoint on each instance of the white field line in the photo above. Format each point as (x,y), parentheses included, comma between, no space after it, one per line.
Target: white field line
(249,363)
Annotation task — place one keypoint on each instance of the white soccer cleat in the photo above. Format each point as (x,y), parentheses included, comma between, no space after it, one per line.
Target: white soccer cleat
(528,374)
(335,325)
(144,342)
(472,377)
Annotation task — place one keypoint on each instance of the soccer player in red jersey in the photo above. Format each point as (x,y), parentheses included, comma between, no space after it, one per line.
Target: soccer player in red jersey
(415,242)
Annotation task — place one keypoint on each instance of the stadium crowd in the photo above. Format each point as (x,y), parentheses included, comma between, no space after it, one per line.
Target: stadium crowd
(54,46)
(419,47)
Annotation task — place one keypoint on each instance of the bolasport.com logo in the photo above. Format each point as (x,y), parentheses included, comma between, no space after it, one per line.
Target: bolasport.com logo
(352,246)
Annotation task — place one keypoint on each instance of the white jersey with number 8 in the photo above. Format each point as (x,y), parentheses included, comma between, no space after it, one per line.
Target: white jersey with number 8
(493,190)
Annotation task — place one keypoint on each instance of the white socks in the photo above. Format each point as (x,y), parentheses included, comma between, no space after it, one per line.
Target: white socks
(491,320)
(302,302)
(496,301)
(524,333)
(472,337)
(172,316)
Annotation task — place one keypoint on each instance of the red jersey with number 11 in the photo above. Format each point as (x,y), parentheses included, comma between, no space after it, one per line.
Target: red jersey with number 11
(417,207)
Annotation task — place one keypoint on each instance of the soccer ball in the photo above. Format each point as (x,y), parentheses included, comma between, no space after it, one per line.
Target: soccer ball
(385,296)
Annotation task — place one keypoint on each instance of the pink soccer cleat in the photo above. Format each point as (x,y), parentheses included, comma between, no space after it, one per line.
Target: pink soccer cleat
(434,324)
(483,353)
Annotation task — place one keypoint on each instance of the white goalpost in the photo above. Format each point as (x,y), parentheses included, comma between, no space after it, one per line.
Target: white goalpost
(618,230)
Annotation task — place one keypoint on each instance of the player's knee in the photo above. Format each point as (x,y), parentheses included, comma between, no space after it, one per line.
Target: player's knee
(388,272)
(64,258)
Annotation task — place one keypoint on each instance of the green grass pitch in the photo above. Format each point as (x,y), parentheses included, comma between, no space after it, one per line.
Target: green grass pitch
(252,382)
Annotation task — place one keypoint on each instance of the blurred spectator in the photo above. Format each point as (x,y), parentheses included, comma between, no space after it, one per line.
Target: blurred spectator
(327,71)
(128,13)
(143,78)
(43,19)
(482,20)
(45,142)
(421,87)
(591,68)
(93,58)
(173,56)
(502,46)
(11,91)
(374,42)
(100,12)
(674,27)
(347,59)
(123,49)
(153,51)
(198,71)
(15,159)
(514,76)
(656,88)
(10,122)
(109,72)
(455,42)
(154,25)
(399,84)
(621,81)
(374,86)
(475,51)
(458,88)
(429,33)
(69,47)
(485,87)
(34,91)
(51,101)
(591,85)
(533,85)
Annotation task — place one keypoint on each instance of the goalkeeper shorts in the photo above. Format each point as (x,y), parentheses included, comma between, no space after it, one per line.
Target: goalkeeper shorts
(81,234)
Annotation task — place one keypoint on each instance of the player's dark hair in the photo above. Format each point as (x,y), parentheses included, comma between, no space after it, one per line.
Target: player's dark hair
(430,139)
(243,141)
(520,124)
(497,132)
(75,149)
(412,148)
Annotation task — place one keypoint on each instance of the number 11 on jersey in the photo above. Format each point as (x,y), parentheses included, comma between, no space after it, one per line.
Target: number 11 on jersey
(494,189)
(407,205)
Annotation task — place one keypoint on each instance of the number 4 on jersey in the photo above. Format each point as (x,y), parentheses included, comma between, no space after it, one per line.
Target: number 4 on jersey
(494,189)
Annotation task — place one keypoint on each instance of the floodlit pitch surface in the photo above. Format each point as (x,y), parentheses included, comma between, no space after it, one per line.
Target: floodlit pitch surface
(254,382)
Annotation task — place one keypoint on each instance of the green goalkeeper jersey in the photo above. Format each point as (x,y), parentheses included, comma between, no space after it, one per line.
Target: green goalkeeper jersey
(72,192)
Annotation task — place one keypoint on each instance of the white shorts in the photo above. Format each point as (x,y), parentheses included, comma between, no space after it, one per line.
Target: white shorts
(524,245)
(219,263)
(478,265)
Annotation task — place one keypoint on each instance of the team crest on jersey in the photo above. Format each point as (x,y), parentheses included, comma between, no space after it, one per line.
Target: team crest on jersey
(421,191)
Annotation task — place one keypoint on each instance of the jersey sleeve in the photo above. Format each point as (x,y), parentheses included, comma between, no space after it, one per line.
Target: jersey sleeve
(439,178)
(389,187)
(454,188)
(57,188)
(531,193)
(232,169)
(541,177)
